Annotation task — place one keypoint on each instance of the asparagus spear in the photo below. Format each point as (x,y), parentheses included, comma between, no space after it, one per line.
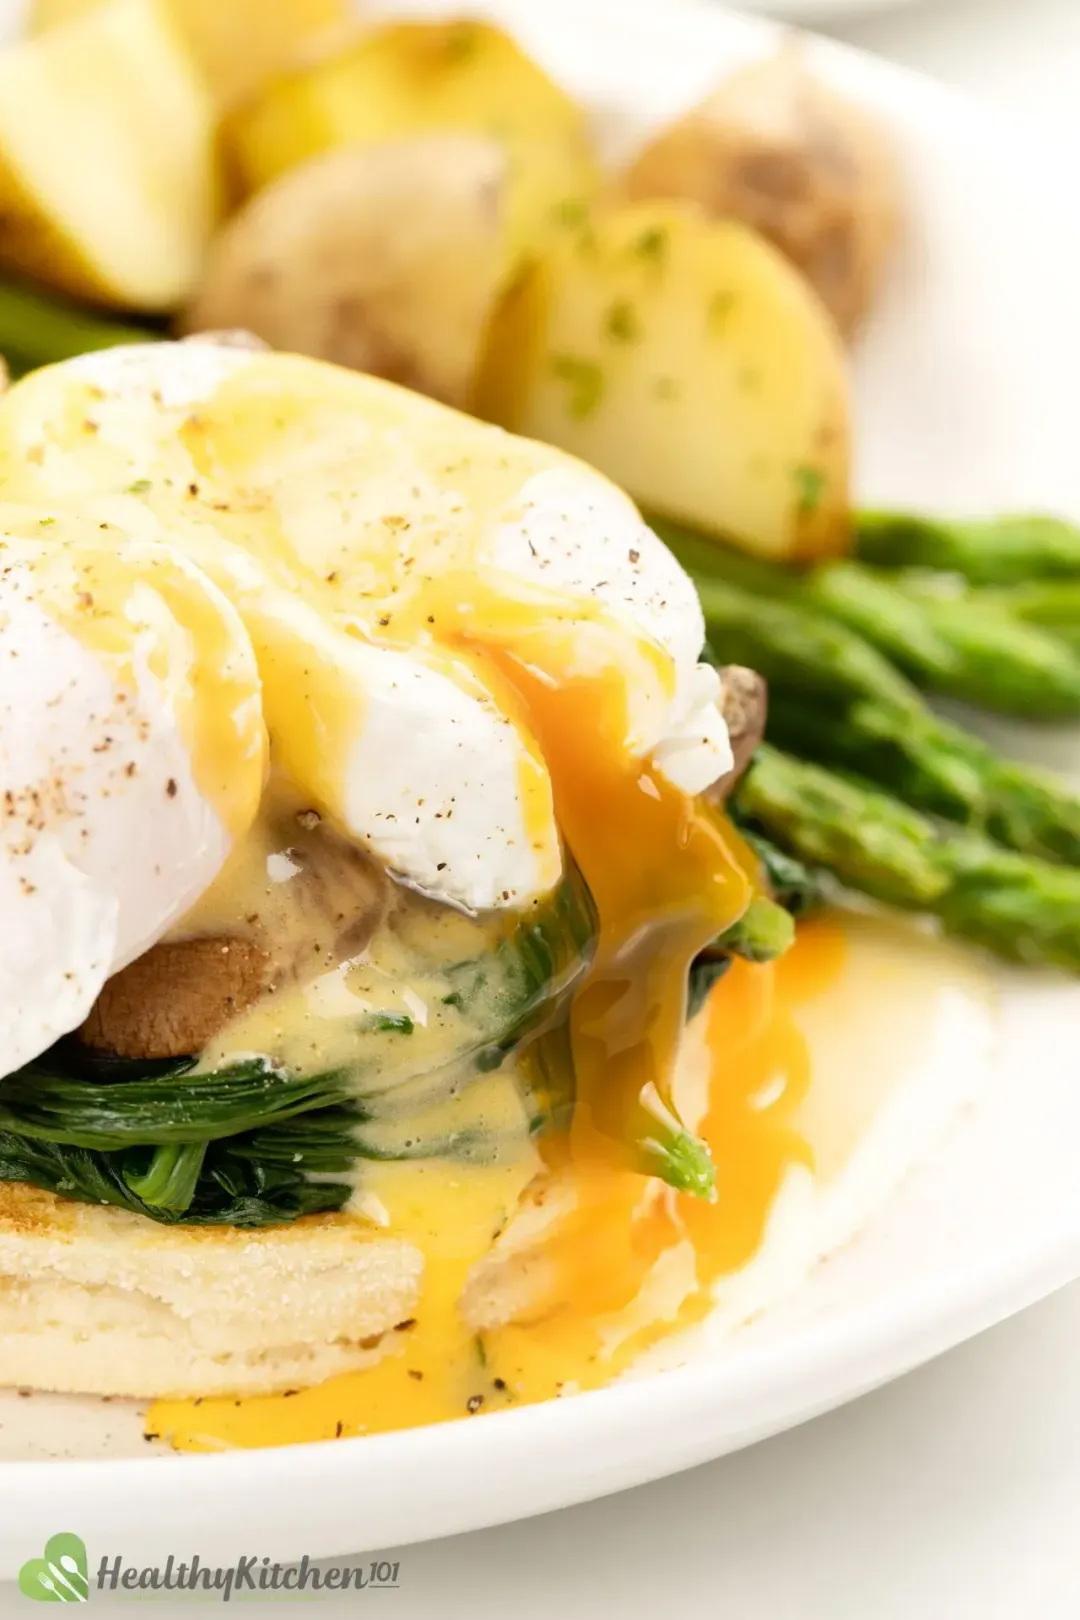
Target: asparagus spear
(823,677)
(961,645)
(763,932)
(708,558)
(795,646)
(994,551)
(964,645)
(1053,605)
(835,698)
(872,842)
(939,769)
(36,330)
(867,739)
(662,1145)
(1022,908)
(767,927)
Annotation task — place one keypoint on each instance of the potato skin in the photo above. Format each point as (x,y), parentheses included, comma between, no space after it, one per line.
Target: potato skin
(688,361)
(780,151)
(386,259)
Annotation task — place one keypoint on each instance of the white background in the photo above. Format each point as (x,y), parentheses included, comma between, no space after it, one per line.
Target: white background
(953,1493)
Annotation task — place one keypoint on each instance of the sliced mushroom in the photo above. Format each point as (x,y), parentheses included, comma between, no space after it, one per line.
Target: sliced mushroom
(182,992)
(744,703)
(173,1000)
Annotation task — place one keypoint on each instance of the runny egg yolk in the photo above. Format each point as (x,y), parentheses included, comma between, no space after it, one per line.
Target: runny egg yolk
(667,874)
(619,1234)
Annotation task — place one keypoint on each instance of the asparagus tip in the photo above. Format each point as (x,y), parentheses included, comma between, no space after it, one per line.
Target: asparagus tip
(684,1162)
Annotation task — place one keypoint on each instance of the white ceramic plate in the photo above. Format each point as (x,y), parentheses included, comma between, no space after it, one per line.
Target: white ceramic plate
(966,384)
(811,12)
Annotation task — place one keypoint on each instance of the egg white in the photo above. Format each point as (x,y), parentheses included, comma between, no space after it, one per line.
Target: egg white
(106,835)
(419,761)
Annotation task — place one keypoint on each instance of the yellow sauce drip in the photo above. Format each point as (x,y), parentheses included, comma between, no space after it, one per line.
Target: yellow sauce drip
(146,612)
(294,486)
(666,878)
(331,508)
(598,1313)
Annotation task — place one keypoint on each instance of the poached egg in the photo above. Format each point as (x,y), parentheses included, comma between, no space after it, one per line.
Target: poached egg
(132,755)
(366,565)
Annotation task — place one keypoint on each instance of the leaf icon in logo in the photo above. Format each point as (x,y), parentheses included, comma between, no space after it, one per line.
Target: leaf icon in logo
(60,1575)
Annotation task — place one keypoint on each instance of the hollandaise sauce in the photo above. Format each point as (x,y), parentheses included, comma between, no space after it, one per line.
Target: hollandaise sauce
(551,1267)
(795,1068)
(607,1264)
(667,875)
(506,927)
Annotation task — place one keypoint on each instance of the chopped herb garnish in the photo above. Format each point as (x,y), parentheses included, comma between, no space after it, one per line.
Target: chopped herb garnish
(652,245)
(388,1023)
(585,381)
(462,40)
(570,211)
(140,487)
(810,484)
(621,322)
(721,305)
(586,241)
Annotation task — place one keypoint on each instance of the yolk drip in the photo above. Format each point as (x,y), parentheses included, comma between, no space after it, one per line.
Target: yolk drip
(619,1232)
(667,874)
(666,880)
(760,1068)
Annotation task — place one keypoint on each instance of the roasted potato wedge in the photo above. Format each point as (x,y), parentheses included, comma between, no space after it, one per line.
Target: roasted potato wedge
(400,80)
(385,258)
(107,172)
(686,359)
(238,44)
(777,149)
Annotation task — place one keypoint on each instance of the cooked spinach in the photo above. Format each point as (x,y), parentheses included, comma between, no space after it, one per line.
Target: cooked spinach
(252,1143)
(55,1102)
(229,1191)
